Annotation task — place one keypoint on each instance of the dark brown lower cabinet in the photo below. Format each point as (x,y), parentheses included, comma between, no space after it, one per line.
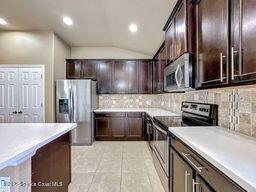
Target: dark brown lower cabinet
(182,174)
(51,166)
(192,173)
(119,126)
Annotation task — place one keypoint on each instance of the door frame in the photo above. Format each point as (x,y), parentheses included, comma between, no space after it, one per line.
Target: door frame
(41,66)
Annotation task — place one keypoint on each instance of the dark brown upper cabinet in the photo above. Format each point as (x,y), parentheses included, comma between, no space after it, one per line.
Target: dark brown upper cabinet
(159,63)
(212,26)
(73,69)
(120,85)
(89,69)
(179,30)
(243,41)
(104,76)
(132,76)
(145,76)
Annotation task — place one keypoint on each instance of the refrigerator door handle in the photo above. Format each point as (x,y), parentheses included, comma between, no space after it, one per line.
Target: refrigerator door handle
(73,106)
(70,103)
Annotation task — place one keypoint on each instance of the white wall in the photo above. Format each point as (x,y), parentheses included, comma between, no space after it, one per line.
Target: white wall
(105,53)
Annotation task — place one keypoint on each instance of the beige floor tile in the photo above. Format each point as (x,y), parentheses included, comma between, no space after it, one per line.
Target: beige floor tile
(106,182)
(82,179)
(155,181)
(133,166)
(89,164)
(135,182)
(110,165)
(77,188)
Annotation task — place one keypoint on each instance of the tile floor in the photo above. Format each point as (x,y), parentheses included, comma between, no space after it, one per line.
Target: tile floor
(114,167)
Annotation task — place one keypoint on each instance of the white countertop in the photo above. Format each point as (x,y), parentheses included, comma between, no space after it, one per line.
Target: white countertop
(153,112)
(232,153)
(19,142)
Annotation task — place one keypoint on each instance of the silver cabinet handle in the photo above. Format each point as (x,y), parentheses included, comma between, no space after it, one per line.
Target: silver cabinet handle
(233,63)
(221,66)
(194,185)
(186,180)
(186,156)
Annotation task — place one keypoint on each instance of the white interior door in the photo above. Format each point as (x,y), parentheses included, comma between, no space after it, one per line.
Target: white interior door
(31,95)
(9,95)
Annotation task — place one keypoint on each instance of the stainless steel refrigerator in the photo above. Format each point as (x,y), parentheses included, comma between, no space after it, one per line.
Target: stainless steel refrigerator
(75,102)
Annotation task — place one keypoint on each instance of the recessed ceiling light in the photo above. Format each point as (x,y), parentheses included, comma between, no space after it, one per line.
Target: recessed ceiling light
(67,21)
(2,21)
(133,28)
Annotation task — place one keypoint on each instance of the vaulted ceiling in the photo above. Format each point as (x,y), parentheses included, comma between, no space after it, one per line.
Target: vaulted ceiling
(96,22)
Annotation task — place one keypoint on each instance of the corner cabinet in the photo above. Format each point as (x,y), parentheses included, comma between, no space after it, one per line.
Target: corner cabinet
(119,126)
(179,30)
(212,42)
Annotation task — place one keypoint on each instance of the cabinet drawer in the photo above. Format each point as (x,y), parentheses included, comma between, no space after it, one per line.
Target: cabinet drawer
(110,114)
(209,173)
(134,114)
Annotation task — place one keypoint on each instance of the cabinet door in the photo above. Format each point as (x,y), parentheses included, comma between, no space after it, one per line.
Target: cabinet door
(182,174)
(170,42)
(135,128)
(212,42)
(145,77)
(74,69)
(102,128)
(180,30)
(132,76)
(104,76)
(118,127)
(243,50)
(120,85)
(89,69)
(158,71)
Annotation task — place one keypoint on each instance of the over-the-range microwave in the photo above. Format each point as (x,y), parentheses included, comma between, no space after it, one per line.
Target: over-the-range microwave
(179,75)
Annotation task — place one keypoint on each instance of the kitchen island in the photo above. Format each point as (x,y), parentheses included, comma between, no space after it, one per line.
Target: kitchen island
(48,147)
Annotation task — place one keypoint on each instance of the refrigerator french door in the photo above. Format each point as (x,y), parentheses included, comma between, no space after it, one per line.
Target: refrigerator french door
(75,102)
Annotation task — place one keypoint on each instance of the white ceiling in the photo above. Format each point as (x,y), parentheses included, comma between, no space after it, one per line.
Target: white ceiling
(96,22)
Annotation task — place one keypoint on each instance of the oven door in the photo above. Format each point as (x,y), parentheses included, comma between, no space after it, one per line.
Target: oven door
(161,147)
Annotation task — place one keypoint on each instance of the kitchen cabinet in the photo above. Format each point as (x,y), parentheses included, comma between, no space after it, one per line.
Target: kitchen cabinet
(104,76)
(158,70)
(114,76)
(135,125)
(73,69)
(145,76)
(179,30)
(51,164)
(132,76)
(89,69)
(192,172)
(212,42)
(119,126)
(182,174)
(120,84)
(243,41)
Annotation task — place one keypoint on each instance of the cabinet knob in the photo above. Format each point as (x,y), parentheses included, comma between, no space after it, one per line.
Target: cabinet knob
(14,112)
(20,112)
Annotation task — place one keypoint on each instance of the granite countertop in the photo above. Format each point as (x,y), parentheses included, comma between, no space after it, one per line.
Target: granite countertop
(150,111)
(19,142)
(232,153)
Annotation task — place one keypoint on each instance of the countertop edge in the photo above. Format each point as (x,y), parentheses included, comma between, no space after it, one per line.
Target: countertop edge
(229,173)
(12,161)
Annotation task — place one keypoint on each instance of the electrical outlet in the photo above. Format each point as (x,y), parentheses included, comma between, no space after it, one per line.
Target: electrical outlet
(5,184)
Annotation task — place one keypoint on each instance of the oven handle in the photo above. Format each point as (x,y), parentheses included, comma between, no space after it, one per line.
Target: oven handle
(176,76)
(198,168)
(159,129)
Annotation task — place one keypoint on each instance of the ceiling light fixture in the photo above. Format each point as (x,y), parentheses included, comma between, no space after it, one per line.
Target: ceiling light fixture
(2,21)
(133,28)
(68,21)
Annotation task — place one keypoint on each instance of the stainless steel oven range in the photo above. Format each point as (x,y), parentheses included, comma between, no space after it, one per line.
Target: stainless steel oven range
(193,114)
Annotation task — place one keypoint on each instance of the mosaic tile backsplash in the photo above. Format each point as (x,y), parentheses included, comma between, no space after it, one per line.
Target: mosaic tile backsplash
(237,105)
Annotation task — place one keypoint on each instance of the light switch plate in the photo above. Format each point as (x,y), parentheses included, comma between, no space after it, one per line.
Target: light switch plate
(5,184)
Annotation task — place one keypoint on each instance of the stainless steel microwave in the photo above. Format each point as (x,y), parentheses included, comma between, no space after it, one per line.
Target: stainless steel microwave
(178,76)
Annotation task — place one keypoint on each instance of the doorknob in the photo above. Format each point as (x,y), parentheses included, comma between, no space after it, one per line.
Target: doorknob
(14,112)
(20,112)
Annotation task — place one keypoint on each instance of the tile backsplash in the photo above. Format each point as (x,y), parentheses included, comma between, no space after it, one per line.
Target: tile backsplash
(237,105)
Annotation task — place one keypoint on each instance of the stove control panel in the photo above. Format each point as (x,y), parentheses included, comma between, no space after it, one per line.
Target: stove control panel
(197,108)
